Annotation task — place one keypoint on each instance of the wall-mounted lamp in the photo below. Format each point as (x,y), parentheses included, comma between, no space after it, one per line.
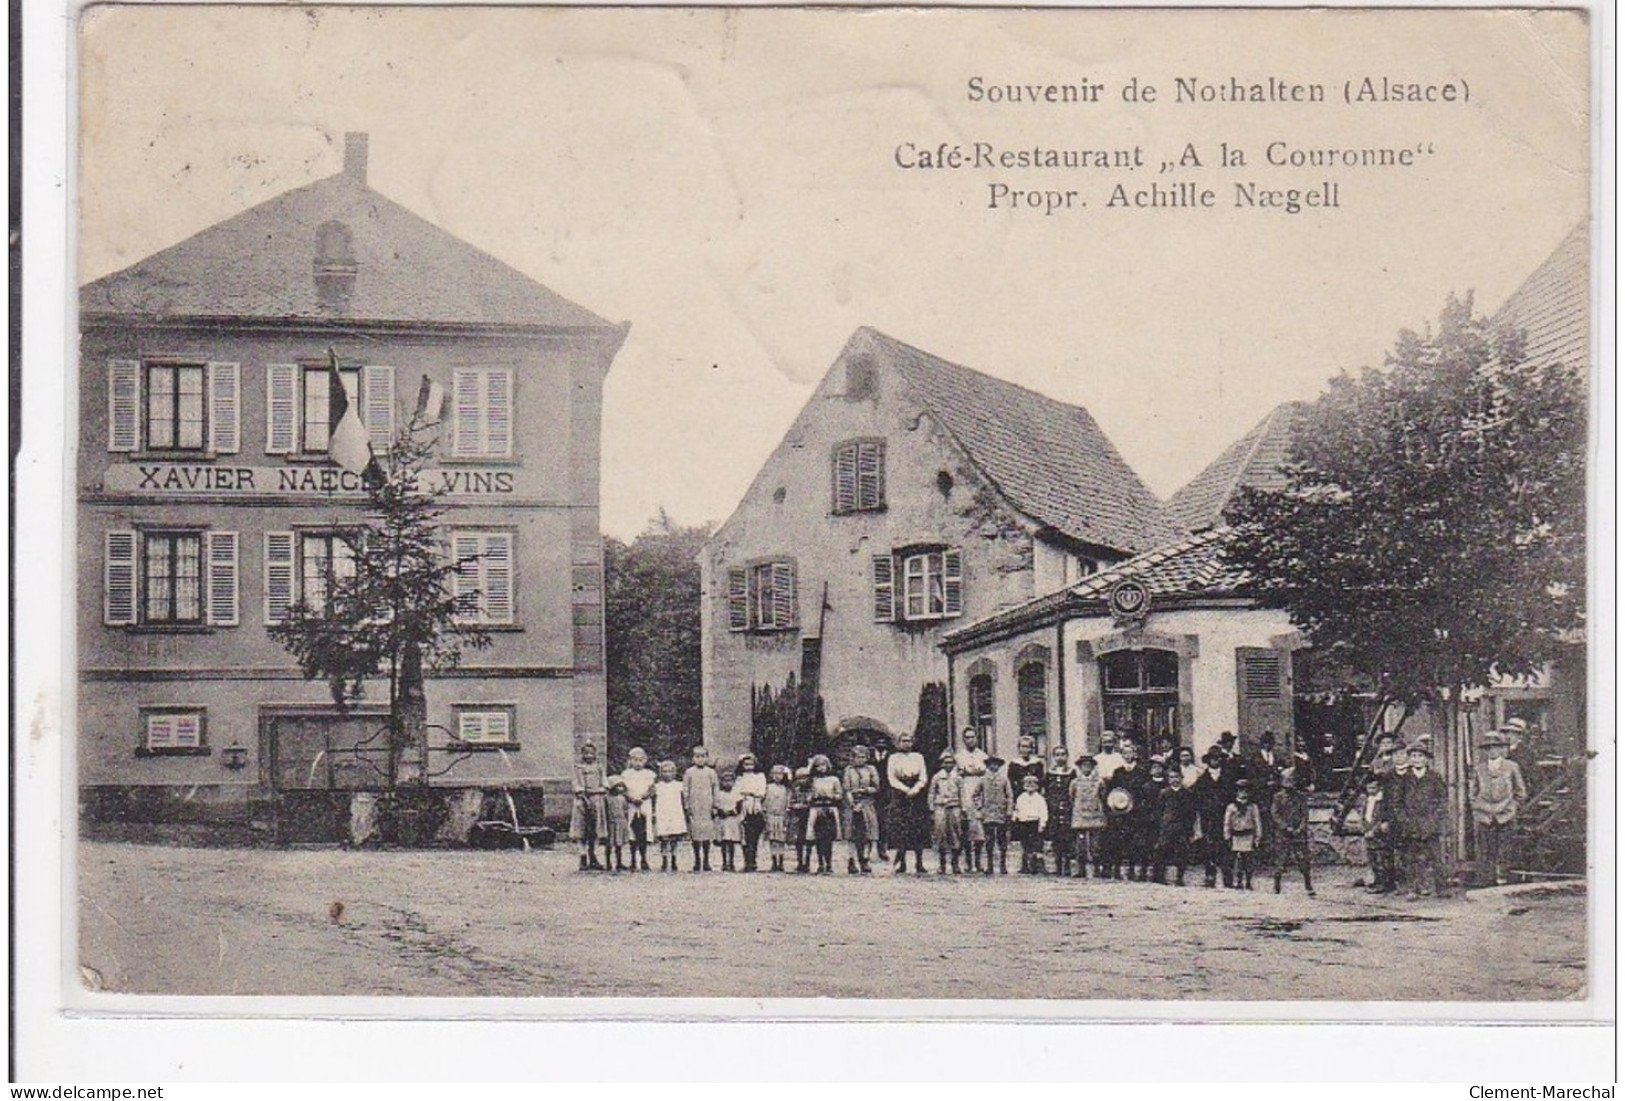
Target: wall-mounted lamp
(234,756)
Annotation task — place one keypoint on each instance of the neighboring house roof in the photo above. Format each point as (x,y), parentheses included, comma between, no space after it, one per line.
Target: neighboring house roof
(1254,462)
(1192,568)
(1553,306)
(259,265)
(1049,460)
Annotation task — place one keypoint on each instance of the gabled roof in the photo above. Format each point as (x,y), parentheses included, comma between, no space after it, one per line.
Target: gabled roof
(1254,462)
(1553,306)
(1050,461)
(1192,568)
(259,265)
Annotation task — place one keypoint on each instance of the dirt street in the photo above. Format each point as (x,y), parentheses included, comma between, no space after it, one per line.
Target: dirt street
(215,921)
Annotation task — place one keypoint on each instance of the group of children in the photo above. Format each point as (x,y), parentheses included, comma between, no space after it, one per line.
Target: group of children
(1107,812)
(733,809)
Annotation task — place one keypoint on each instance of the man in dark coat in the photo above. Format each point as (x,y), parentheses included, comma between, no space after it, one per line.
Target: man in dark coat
(1264,766)
(1212,793)
(1419,816)
(1131,832)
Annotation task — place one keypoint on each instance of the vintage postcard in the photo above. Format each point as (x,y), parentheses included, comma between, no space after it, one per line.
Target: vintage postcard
(1070,512)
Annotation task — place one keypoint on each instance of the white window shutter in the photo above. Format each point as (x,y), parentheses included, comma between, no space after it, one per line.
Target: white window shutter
(225,408)
(953,582)
(123,405)
(497,595)
(496,726)
(119,566)
(278,575)
(784,594)
(846,478)
(885,588)
(281,408)
(738,600)
(378,406)
(465,553)
(222,578)
(499,412)
(871,475)
(187,730)
(471,726)
(466,409)
(160,731)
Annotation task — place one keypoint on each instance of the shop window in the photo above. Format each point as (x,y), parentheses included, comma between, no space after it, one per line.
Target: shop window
(172,732)
(170,578)
(762,596)
(859,476)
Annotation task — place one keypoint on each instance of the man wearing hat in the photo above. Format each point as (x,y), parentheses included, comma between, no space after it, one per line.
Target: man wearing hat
(1212,793)
(1419,813)
(1498,794)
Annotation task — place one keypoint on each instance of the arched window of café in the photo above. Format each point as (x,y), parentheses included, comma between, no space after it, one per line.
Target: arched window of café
(1140,694)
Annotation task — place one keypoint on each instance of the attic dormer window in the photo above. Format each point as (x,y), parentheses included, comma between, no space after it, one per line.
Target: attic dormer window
(335,266)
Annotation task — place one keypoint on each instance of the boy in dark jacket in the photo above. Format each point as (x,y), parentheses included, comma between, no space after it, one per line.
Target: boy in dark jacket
(1175,819)
(1289,814)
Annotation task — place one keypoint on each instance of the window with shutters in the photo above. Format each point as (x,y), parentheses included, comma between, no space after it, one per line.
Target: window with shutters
(482,413)
(858,476)
(167,578)
(315,404)
(326,559)
(172,578)
(173,407)
(484,579)
(172,731)
(918,585)
(177,410)
(762,596)
(483,725)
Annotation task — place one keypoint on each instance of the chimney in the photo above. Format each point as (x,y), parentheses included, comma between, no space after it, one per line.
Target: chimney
(355,157)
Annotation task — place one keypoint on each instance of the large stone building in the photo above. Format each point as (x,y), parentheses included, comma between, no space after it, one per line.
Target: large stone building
(208,503)
(911,495)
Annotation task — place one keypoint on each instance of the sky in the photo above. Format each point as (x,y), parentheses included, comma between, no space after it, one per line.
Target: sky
(728,182)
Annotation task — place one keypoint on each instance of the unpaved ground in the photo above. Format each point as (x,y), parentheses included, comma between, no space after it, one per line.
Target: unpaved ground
(207,921)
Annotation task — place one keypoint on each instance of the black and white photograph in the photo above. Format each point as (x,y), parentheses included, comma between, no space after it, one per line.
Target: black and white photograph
(1080,509)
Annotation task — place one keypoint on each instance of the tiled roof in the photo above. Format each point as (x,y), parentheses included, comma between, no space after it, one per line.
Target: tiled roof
(1190,567)
(1255,461)
(1049,460)
(1553,306)
(1194,565)
(259,265)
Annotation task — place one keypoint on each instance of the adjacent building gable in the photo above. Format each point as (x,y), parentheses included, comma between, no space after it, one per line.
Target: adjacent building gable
(1253,462)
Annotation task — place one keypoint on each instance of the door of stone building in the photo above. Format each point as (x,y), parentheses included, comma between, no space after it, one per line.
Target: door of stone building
(315,759)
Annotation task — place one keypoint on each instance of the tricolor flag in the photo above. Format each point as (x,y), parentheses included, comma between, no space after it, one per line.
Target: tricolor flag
(347,442)
(431,402)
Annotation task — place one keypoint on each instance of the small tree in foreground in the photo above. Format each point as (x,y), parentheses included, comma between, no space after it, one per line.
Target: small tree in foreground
(1431,535)
(391,607)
